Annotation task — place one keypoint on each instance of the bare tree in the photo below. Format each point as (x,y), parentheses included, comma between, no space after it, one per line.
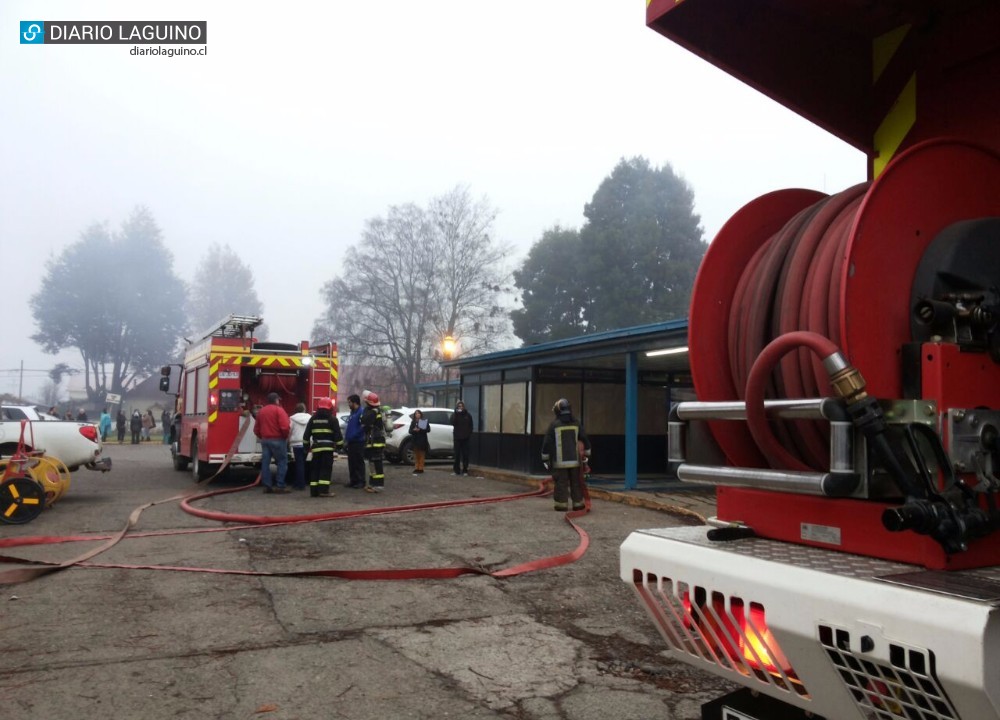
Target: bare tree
(416,276)
(223,284)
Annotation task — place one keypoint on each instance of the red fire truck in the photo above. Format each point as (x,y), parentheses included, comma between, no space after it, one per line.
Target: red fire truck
(227,374)
(845,352)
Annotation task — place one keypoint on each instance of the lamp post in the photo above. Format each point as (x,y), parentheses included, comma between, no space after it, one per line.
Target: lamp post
(448,346)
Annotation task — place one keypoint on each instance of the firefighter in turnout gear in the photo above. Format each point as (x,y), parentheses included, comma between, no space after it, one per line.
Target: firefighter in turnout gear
(374,427)
(322,436)
(561,455)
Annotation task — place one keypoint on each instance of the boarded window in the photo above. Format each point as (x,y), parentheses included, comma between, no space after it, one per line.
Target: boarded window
(491,408)
(514,412)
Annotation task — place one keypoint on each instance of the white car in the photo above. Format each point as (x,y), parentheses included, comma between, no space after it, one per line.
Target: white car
(75,443)
(399,443)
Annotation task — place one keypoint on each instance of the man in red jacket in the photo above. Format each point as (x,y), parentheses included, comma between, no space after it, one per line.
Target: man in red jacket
(272,428)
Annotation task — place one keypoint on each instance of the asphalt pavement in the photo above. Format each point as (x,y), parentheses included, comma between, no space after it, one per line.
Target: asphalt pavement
(566,643)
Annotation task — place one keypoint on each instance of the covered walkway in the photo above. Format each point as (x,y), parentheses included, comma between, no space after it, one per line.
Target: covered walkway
(621,384)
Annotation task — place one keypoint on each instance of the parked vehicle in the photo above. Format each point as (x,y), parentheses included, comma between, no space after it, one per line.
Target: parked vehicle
(399,442)
(227,373)
(73,443)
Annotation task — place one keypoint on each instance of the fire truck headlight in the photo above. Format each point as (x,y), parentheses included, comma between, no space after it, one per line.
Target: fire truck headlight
(307,361)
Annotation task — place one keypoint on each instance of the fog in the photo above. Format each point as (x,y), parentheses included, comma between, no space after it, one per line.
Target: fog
(305,119)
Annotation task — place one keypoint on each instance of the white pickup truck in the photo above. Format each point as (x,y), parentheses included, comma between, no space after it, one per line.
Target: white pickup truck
(75,443)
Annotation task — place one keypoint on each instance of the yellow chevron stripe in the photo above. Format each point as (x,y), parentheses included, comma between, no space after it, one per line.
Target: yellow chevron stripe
(884,47)
(894,127)
(212,381)
(269,360)
(213,416)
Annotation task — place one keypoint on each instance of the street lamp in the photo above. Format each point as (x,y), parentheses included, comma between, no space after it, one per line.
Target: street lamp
(448,347)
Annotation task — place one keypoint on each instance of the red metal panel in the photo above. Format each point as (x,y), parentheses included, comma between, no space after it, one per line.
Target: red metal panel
(781,516)
(921,192)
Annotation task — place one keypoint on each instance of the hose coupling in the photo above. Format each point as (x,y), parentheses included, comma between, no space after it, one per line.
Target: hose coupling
(847,381)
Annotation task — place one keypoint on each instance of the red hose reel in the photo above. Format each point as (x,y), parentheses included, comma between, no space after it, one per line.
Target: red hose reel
(841,266)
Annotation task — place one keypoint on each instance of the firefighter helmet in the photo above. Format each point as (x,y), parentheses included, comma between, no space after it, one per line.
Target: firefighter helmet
(372,399)
(325,403)
(562,407)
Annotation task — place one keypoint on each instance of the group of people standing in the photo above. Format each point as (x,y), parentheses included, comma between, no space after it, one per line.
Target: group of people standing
(565,447)
(363,440)
(139,424)
(320,435)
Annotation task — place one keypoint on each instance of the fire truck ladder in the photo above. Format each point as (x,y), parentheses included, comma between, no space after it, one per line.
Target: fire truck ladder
(321,373)
(234,326)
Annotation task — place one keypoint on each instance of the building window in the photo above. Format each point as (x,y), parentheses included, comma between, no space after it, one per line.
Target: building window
(653,410)
(546,396)
(514,413)
(605,411)
(491,408)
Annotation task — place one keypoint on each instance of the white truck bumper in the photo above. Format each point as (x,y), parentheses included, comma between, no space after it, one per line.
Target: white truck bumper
(846,636)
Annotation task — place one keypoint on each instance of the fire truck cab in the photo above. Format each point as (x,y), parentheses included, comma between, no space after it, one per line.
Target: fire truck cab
(226,376)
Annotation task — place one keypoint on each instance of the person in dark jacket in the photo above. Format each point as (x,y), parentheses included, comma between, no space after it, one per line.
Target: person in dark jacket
(461,424)
(166,419)
(354,436)
(421,444)
(561,455)
(120,423)
(374,425)
(322,436)
(135,425)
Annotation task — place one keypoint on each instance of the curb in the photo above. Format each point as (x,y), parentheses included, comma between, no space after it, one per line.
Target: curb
(666,505)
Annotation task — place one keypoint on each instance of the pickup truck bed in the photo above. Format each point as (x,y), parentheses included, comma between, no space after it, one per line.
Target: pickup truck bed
(74,443)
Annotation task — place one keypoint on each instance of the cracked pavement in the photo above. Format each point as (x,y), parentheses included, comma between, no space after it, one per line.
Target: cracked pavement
(569,643)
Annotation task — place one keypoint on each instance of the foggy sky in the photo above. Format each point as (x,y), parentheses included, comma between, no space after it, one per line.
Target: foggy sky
(306,119)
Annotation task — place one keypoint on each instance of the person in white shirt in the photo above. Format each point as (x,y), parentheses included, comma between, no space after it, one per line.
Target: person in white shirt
(298,421)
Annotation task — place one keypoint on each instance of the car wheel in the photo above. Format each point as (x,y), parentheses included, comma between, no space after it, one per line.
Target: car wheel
(394,459)
(406,453)
(180,462)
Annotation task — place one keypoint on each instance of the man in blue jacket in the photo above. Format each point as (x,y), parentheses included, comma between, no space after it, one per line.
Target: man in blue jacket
(354,438)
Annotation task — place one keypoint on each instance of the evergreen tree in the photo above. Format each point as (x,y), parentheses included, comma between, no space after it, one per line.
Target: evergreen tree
(551,292)
(634,263)
(115,298)
(223,285)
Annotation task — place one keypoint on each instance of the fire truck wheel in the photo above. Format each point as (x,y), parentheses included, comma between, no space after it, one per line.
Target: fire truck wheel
(200,470)
(180,462)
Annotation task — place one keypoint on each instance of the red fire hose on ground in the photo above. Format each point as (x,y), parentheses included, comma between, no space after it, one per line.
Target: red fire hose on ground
(247,521)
